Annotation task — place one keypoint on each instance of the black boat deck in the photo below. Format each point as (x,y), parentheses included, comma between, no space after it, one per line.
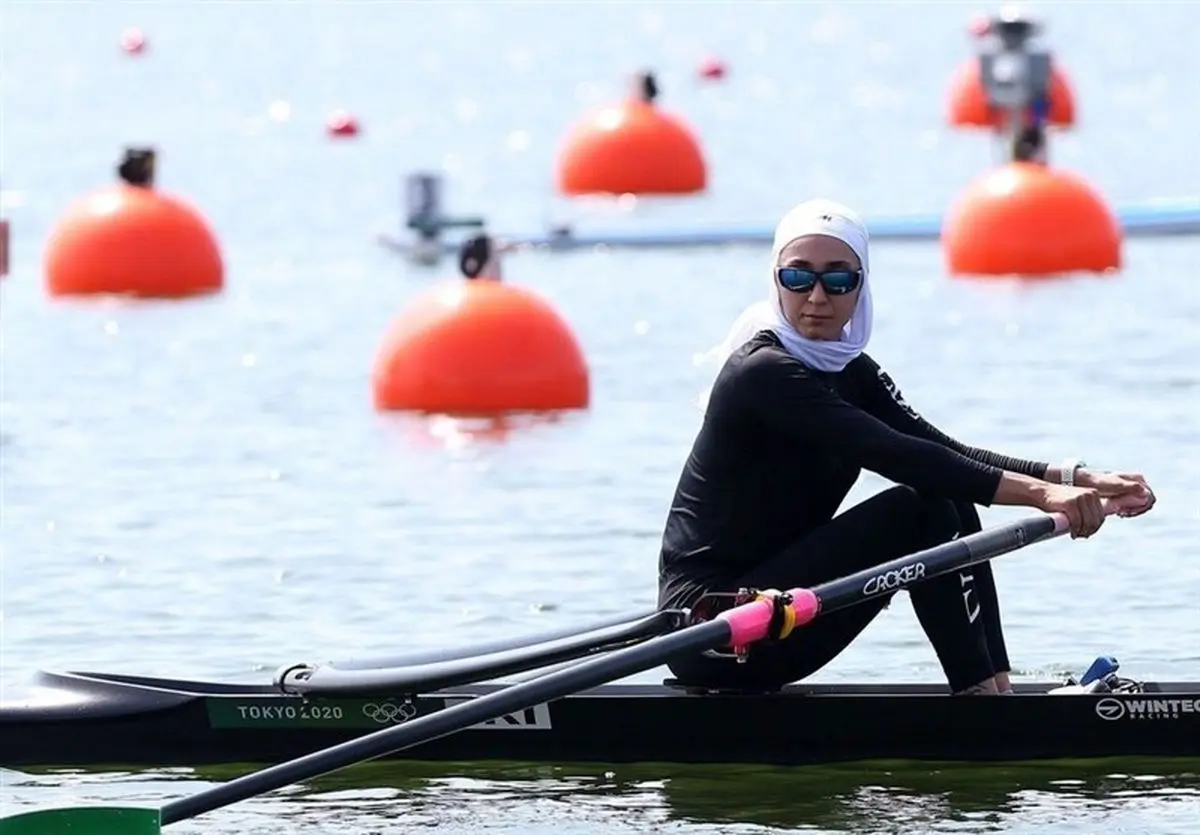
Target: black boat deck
(81,719)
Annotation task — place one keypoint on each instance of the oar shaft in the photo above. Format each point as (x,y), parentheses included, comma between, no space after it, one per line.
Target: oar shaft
(932,562)
(738,627)
(437,656)
(462,669)
(709,635)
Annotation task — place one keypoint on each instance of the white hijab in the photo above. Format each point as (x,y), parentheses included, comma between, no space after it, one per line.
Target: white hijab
(813,217)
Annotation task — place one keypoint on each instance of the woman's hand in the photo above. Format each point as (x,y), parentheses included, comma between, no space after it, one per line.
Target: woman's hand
(1131,489)
(1081,506)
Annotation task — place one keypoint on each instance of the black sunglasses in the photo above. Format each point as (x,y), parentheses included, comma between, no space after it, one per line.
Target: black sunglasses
(836,282)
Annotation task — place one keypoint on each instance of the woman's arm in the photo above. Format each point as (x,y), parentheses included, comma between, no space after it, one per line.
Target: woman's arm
(889,405)
(1021,490)
(1022,483)
(1081,505)
(783,395)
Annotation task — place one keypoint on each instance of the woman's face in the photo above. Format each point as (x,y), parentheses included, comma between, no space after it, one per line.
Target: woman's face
(816,313)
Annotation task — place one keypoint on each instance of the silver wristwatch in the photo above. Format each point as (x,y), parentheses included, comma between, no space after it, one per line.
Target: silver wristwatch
(1067,468)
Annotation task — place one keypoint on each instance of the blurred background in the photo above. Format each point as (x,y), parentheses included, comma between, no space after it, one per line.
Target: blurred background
(203,487)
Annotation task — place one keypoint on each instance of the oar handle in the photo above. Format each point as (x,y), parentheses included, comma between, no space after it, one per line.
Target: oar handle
(1110,506)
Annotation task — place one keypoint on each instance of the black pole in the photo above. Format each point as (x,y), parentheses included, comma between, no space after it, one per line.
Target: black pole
(411,659)
(941,559)
(436,675)
(703,636)
(709,635)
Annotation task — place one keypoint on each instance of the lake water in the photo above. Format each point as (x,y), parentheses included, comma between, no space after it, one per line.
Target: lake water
(202,488)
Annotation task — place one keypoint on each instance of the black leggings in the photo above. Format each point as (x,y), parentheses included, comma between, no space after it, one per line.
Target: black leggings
(959,611)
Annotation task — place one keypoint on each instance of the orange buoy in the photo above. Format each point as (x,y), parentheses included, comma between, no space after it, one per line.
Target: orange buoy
(480,348)
(1029,219)
(968,104)
(132,240)
(632,147)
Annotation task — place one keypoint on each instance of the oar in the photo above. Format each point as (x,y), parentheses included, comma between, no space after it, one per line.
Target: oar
(740,626)
(941,559)
(460,668)
(437,656)
(768,616)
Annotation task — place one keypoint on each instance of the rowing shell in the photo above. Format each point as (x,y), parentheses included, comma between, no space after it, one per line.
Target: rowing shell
(81,719)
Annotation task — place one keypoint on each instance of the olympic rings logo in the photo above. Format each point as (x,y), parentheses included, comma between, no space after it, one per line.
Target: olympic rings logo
(389,712)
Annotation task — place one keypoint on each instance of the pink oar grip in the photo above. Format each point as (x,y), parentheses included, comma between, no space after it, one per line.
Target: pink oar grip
(749,622)
(806,605)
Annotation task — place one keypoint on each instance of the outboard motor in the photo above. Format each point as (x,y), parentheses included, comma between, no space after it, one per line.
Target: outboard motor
(423,213)
(1015,71)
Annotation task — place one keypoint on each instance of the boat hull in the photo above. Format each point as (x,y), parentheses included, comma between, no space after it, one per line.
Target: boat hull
(79,719)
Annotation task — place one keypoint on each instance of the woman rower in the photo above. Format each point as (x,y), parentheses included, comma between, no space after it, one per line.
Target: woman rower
(797,411)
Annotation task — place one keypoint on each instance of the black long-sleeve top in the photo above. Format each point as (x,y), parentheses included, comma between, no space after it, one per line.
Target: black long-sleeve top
(781,446)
